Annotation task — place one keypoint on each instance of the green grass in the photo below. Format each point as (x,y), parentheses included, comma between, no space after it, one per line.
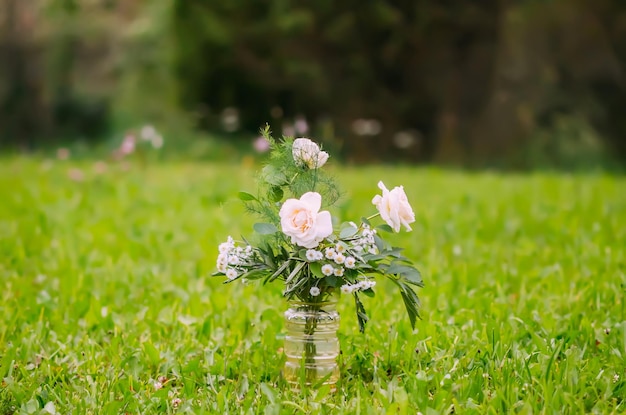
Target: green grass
(105,287)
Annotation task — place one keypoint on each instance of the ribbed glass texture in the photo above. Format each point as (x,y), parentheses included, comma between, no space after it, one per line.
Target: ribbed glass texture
(311,343)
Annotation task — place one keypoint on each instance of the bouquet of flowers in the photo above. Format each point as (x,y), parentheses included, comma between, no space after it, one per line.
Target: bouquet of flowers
(297,244)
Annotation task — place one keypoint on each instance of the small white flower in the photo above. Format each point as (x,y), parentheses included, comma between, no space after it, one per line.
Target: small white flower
(227,246)
(312,255)
(457,250)
(350,262)
(615,378)
(233,260)
(158,385)
(339,258)
(373,250)
(176,402)
(330,253)
(338,272)
(327,270)
(319,256)
(157,141)
(346,289)
(314,291)
(231,273)
(222,262)
(340,248)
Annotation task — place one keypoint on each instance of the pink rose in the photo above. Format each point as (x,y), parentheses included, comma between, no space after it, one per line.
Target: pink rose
(394,207)
(303,222)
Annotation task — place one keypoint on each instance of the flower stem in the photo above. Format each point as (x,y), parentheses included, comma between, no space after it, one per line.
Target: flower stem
(373,216)
(310,347)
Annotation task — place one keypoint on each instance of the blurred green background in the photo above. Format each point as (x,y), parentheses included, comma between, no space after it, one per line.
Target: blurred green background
(502,83)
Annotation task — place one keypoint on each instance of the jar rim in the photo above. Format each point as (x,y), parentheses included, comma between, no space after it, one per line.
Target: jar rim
(298,302)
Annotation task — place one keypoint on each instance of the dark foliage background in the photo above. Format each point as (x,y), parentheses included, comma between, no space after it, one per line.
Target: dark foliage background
(498,82)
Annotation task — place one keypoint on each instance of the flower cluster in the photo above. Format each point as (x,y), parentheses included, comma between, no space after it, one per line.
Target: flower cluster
(359,286)
(364,241)
(234,260)
(298,245)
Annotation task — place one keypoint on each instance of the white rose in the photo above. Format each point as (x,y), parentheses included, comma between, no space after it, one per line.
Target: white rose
(394,207)
(308,153)
(302,220)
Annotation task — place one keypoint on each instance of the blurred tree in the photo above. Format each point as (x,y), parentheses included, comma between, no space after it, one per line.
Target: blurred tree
(444,81)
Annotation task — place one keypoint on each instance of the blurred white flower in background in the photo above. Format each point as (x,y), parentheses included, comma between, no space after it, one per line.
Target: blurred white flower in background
(100,167)
(230,119)
(289,130)
(406,139)
(76,175)
(368,127)
(150,134)
(63,154)
(301,125)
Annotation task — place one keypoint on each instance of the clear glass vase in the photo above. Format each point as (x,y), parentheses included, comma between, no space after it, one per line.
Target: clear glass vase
(311,343)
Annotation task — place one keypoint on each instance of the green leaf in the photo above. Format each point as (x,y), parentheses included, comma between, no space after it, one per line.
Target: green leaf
(289,292)
(380,244)
(264,228)
(316,269)
(361,315)
(347,231)
(274,176)
(369,292)
(410,274)
(411,303)
(245,196)
(332,281)
(153,354)
(295,272)
(365,221)
(394,252)
(269,394)
(385,228)
(276,194)
(255,274)
(279,271)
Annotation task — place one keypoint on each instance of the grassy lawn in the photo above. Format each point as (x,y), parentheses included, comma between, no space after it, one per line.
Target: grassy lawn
(108,305)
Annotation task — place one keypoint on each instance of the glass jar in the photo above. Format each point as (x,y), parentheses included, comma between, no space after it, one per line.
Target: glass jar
(311,343)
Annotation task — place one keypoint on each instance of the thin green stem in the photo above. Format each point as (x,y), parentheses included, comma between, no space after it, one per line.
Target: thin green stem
(373,216)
